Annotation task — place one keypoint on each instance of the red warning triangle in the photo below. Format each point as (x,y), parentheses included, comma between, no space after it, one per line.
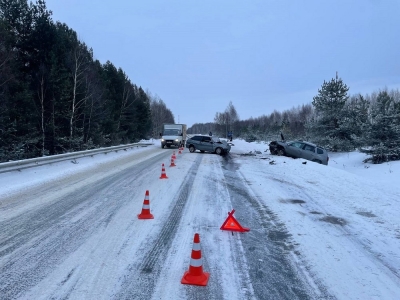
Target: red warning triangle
(232,224)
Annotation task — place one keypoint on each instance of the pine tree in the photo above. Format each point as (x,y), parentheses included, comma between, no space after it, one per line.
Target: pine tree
(112,106)
(143,115)
(353,122)
(19,118)
(329,104)
(383,132)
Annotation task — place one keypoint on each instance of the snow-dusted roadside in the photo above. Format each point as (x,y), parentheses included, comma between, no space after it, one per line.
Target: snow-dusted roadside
(343,218)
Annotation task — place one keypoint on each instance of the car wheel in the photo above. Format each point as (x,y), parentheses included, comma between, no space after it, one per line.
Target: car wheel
(218,151)
(192,149)
(162,146)
(281,152)
(202,151)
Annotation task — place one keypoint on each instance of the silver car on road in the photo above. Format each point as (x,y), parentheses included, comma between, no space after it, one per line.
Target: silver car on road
(205,143)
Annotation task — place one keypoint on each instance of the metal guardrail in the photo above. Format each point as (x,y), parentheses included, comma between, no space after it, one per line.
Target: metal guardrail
(39,161)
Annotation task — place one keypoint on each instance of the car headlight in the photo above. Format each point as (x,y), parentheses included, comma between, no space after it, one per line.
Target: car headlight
(176,140)
(162,140)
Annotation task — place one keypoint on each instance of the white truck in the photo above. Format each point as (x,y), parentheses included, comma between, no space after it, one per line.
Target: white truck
(173,135)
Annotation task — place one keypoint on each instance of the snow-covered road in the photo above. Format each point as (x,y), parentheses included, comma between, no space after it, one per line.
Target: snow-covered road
(70,231)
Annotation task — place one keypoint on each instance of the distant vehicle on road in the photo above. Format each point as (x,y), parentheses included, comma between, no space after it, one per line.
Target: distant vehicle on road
(205,143)
(300,149)
(173,135)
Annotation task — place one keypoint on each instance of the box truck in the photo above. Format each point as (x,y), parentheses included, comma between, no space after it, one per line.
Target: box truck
(173,135)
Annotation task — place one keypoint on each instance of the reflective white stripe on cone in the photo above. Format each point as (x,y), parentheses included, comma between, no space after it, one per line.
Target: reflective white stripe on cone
(163,174)
(195,275)
(145,214)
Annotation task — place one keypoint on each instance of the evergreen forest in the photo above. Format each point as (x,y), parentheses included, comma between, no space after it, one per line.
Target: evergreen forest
(55,97)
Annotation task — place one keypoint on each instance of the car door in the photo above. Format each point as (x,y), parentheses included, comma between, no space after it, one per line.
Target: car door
(294,149)
(206,144)
(308,152)
(195,141)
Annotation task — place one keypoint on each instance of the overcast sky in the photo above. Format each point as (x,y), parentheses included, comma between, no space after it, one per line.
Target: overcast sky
(260,54)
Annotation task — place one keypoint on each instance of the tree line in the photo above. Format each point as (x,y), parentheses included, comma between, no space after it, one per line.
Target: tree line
(56,97)
(334,120)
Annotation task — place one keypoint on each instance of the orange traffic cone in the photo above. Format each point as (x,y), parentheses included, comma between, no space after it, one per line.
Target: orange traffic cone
(195,275)
(163,174)
(145,214)
(180,151)
(173,155)
(172,162)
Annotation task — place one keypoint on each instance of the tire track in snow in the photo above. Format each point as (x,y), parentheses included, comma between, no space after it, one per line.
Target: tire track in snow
(318,213)
(229,274)
(267,247)
(48,234)
(139,284)
(207,199)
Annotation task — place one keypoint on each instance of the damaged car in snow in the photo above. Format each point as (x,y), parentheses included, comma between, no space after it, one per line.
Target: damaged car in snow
(300,149)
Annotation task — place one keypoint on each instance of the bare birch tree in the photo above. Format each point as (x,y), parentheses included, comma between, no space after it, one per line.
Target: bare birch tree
(79,64)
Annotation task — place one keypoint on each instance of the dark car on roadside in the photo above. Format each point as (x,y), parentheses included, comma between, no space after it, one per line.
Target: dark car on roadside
(300,149)
(205,143)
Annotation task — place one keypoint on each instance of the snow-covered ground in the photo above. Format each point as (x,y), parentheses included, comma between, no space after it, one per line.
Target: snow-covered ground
(356,200)
(343,218)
